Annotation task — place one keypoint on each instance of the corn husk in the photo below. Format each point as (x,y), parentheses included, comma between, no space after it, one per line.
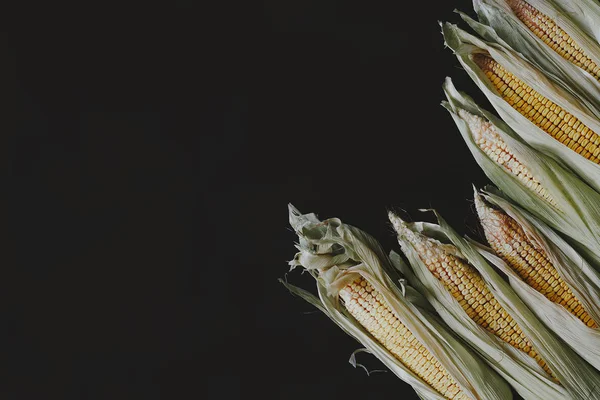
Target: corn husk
(335,254)
(465,45)
(528,379)
(578,212)
(498,24)
(585,14)
(581,278)
(577,378)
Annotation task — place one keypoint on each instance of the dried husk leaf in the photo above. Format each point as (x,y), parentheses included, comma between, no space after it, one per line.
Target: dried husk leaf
(529,380)
(578,379)
(578,212)
(466,45)
(363,256)
(585,14)
(581,278)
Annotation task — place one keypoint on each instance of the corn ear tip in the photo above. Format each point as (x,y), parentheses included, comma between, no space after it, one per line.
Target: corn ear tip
(482,207)
(477,194)
(398,223)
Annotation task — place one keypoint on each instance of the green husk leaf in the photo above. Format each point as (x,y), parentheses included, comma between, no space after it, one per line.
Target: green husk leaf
(364,257)
(500,25)
(581,278)
(465,45)
(578,379)
(578,212)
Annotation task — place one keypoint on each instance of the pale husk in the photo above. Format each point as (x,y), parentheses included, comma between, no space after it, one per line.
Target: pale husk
(578,212)
(335,254)
(581,278)
(585,14)
(578,379)
(465,45)
(523,374)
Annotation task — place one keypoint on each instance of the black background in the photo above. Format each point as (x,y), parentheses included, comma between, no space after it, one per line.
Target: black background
(157,148)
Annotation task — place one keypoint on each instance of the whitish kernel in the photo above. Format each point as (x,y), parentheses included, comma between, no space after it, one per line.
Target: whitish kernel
(393,334)
(489,140)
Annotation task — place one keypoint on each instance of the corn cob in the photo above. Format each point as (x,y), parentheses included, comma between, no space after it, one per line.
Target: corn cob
(548,116)
(356,292)
(507,238)
(487,139)
(550,33)
(467,286)
(371,310)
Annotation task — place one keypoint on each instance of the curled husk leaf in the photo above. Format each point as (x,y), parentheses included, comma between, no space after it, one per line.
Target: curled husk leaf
(336,254)
(465,46)
(578,380)
(580,277)
(577,213)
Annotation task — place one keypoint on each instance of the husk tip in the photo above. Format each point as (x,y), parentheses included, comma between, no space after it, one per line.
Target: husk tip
(293,210)
(482,207)
(294,215)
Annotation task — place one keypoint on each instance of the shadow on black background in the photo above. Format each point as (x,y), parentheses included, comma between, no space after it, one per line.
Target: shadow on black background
(155,154)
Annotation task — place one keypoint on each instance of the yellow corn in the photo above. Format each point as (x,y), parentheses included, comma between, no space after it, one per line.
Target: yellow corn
(468,287)
(551,34)
(487,139)
(371,310)
(509,241)
(548,116)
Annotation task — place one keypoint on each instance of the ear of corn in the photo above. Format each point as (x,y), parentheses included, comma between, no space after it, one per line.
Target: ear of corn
(466,285)
(488,139)
(558,358)
(528,259)
(557,32)
(532,179)
(545,114)
(358,295)
(499,24)
(455,290)
(554,36)
(562,291)
(530,103)
(374,313)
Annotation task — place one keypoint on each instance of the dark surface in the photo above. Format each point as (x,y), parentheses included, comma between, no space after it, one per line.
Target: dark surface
(155,155)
